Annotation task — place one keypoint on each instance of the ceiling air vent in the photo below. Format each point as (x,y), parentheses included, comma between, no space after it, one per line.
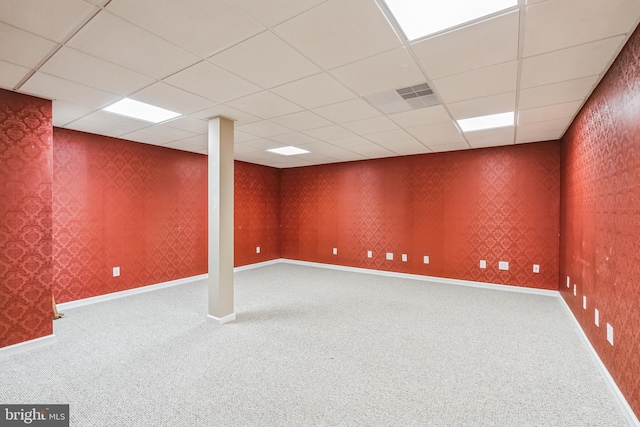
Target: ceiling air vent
(403,99)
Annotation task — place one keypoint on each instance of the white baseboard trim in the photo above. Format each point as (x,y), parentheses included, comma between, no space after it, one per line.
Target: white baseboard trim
(225,319)
(458,282)
(613,387)
(128,292)
(257,265)
(27,345)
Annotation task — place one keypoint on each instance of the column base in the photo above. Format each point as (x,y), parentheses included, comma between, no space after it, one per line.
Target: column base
(225,319)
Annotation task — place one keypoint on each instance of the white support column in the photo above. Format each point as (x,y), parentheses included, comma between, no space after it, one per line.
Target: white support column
(221,220)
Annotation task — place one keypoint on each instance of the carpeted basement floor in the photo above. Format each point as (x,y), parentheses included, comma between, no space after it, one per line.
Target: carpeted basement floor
(314,346)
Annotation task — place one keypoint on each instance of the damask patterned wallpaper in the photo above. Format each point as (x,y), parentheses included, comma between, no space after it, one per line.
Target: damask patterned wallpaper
(25,218)
(496,204)
(600,244)
(139,207)
(256,214)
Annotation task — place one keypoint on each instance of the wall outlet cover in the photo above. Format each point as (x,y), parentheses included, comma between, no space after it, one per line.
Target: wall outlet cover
(389,256)
(584,302)
(568,282)
(335,251)
(426,259)
(116,271)
(596,316)
(536,268)
(575,290)
(503,265)
(404,257)
(610,334)
(257,249)
(369,254)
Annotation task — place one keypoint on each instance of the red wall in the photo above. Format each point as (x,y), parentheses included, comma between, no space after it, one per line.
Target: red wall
(600,244)
(25,218)
(117,203)
(457,208)
(256,213)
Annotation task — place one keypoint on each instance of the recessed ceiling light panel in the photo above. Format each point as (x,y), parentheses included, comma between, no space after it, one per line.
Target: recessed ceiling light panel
(420,18)
(139,110)
(487,122)
(288,151)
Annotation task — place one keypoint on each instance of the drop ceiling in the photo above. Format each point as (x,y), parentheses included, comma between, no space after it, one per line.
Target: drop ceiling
(299,72)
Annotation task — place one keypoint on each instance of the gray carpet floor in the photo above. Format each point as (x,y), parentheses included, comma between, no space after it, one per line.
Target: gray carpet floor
(314,346)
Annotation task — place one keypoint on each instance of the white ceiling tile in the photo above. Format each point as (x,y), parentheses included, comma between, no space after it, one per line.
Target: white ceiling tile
(22,48)
(263,144)
(194,144)
(50,87)
(554,25)
(390,70)
(114,120)
(347,111)
(372,151)
(314,158)
(491,138)
(486,43)
(79,67)
(438,133)
(119,42)
(274,12)
(189,124)
(315,91)
(265,60)
(264,129)
(146,138)
(303,120)
(240,117)
(338,32)
(10,74)
(98,2)
(330,150)
(478,83)
(556,125)
(239,136)
(494,104)
(389,136)
(265,105)
(557,93)
(239,147)
(51,19)
(64,112)
(212,82)
(531,135)
(174,99)
(550,112)
(96,128)
(567,64)
(458,146)
(372,125)
(421,116)
(329,132)
(294,138)
(349,143)
(406,147)
(158,134)
(203,27)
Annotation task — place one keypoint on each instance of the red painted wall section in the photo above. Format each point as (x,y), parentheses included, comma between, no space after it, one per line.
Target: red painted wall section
(116,203)
(600,244)
(496,204)
(256,213)
(25,218)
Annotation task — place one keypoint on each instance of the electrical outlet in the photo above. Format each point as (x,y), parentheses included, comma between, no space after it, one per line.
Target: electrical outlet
(483,263)
(426,259)
(257,249)
(389,256)
(568,282)
(404,257)
(610,334)
(335,251)
(503,265)
(596,315)
(584,302)
(575,290)
(536,268)
(369,254)
(116,271)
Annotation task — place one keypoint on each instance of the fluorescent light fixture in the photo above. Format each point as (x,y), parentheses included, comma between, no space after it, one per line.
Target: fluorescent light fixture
(487,122)
(288,151)
(420,18)
(141,111)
